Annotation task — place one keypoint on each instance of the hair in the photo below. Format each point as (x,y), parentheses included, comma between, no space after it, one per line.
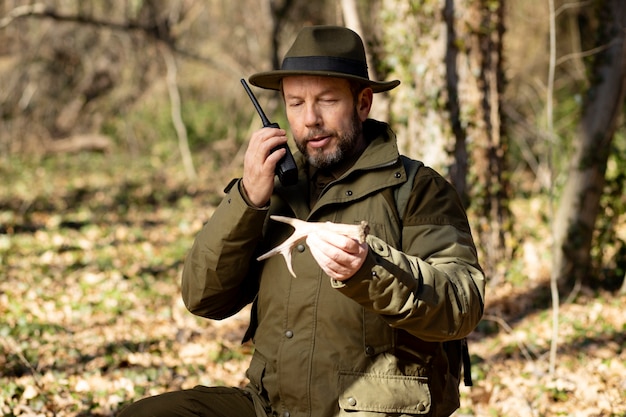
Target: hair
(356,87)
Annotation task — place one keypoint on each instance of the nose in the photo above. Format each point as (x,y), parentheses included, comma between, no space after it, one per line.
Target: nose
(312,116)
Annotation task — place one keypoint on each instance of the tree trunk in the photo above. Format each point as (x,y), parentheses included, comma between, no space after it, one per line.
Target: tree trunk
(413,33)
(448,54)
(475,43)
(352,20)
(278,13)
(579,204)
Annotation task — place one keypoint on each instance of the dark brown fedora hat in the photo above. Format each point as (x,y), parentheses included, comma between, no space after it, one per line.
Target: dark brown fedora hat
(330,51)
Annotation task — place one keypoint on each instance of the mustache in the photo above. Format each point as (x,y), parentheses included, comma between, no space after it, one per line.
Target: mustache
(315,133)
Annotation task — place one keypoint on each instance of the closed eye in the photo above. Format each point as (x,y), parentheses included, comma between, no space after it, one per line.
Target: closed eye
(295,103)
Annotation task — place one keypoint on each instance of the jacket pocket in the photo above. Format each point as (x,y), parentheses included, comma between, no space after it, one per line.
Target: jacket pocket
(382,393)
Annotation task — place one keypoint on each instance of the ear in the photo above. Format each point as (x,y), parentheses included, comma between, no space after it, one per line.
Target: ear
(364,103)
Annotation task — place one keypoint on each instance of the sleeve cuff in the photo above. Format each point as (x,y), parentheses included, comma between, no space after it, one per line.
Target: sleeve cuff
(245,197)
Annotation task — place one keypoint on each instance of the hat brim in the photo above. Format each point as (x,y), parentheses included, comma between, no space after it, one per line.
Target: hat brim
(271,79)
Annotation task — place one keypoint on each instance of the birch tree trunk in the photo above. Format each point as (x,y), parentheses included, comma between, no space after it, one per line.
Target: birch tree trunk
(448,54)
(580,201)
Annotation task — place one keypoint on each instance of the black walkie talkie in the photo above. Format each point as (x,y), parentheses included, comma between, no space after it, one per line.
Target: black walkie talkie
(286,168)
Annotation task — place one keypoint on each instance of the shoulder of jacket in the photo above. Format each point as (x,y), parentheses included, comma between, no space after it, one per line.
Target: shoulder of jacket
(403,191)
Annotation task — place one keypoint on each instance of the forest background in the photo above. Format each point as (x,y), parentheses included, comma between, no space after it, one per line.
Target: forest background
(121,121)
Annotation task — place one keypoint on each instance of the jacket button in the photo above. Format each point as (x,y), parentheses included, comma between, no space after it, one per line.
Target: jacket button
(349,193)
(352,401)
(300,248)
(288,334)
(369,350)
(398,175)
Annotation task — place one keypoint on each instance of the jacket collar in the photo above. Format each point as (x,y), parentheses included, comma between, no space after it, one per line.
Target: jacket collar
(380,155)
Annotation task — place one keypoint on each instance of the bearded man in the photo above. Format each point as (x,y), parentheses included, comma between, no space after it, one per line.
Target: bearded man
(365,326)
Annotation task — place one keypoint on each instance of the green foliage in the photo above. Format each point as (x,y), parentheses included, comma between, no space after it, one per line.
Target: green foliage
(148,128)
(142,126)
(207,122)
(559,395)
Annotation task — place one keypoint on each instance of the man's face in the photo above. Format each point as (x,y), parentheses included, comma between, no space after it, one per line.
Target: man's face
(325,119)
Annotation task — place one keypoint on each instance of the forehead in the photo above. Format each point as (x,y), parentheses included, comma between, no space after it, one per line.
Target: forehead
(312,84)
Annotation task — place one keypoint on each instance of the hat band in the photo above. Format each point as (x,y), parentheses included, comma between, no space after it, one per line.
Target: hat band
(325,63)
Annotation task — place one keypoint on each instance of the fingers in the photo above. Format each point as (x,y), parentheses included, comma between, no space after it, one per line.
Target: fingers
(258,158)
(340,257)
(260,163)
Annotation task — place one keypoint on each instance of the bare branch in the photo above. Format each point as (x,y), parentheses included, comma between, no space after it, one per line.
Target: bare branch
(175,110)
(41,11)
(550,117)
(524,348)
(22,11)
(158,30)
(584,54)
(572,5)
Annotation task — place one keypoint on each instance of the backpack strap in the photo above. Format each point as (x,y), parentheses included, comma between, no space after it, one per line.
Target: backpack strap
(401,195)
(467,364)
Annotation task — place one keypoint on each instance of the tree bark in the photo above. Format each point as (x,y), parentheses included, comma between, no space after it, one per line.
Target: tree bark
(476,44)
(413,33)
(580,200)
(448,55)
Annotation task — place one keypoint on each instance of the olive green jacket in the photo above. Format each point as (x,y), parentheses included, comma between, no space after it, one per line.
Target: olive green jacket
(368,346)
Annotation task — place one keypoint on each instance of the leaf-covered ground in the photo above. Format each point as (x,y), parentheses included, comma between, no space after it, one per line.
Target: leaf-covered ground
(91,250)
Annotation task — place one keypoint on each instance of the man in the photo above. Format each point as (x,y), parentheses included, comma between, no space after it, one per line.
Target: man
(359,331)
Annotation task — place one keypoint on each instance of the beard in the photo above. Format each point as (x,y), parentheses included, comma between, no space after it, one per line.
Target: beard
(347,144)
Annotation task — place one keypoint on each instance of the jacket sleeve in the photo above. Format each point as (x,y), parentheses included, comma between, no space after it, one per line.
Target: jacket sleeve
(216,280)
(434,288)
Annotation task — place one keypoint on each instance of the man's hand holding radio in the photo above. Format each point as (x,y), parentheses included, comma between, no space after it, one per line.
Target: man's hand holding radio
(260,163)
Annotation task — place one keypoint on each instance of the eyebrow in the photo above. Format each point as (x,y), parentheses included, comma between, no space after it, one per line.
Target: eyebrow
(321,93)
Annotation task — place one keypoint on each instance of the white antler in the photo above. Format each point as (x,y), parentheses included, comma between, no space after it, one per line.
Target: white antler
(302,229)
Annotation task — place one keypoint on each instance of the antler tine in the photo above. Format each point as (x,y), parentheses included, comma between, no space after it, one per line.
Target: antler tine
(302,229)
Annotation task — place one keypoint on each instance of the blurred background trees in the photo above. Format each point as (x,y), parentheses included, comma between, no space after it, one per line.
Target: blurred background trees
(512,110)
